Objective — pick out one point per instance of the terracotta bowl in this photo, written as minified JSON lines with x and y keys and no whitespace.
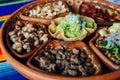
{"x":20,"y":64}
{"x":70,"y":45}
{"x":21,"y":24}
{"x":101,"y":12}
{"x":110,"y":64}
{"x":38,"y":19}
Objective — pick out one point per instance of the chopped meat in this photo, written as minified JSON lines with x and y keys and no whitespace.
{"x":27,"y":36}
{"x":65,"y":62}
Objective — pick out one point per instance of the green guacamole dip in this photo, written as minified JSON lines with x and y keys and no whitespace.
{"x":73,"y":25}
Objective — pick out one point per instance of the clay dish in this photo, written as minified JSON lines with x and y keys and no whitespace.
{"x":36,"y":12}
{"x":102,"y":13}
{"x":19,"y":40}
{"x":55,"y":44}
{"x":109,"y":63}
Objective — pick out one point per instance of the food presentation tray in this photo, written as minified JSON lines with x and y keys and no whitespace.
{"x":20,"y":64}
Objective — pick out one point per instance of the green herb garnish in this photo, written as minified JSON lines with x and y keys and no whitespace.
{"x":67,"y":48}
{"x":119,"y":67}
{"x":89,"y":24}
{"x":90,"y":60}
{"x":115,"y":49}
{"x":117,"y":55}
{"x":83,"y":50}
{"x":95,"y":69}
{"x":103,"y":43}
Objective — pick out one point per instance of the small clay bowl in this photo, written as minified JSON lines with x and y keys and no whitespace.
{"x":100,"y":12}
{"x":45,"y":21}
{"x":110,"y":64}
{"x":55,"y":43}
{"x":23,"y":53}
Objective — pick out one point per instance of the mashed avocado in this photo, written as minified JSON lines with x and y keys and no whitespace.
{"x":73,"y":25}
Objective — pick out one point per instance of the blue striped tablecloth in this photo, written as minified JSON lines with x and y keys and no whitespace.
{"x":7,"y":72}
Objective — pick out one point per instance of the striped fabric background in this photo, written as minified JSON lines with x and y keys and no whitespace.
{"x":7,"y":72}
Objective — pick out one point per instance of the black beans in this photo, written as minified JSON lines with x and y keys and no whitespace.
{"x":65,"y":62}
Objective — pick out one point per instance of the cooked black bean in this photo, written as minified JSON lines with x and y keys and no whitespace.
{"x":63,"y":61}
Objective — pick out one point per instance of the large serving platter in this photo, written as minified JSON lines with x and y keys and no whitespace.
{"x":23,"y":65}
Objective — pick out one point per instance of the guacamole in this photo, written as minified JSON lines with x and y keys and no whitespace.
{"x":73,"y":25}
